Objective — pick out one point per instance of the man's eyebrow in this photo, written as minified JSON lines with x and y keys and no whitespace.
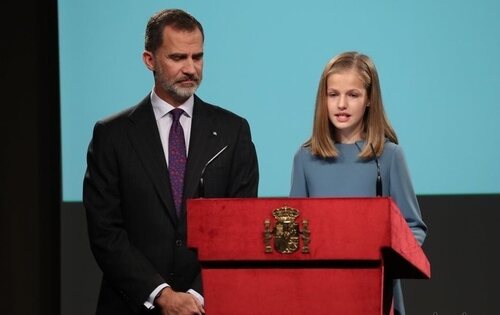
{"x":184,"y":55}
{"x":177,"y":55}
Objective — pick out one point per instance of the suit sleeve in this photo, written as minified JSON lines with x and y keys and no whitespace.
{"x":124,"y":267}
{"x":245,"y":170}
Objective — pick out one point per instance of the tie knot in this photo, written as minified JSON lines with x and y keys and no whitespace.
{"x":176,"y":113}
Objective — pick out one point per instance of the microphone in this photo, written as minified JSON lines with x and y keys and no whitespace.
{"x":379,"y":177}
{"x":202,"y":180}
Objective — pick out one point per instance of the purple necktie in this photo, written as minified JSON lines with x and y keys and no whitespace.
{"x":176,"y":158}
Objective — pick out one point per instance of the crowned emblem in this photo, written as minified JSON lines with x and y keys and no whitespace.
{"x":286,"y":232}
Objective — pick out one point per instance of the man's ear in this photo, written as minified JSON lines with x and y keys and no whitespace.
{"x":148,"y":59}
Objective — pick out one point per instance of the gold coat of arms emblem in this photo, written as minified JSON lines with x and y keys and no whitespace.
{"x":286,"y":232}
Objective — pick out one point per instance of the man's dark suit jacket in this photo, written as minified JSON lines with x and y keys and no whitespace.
{"x":134,"y":232}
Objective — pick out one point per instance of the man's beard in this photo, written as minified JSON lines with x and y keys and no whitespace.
{"x":178,"y":92}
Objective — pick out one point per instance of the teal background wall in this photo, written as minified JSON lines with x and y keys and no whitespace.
{"x":437,"y":63}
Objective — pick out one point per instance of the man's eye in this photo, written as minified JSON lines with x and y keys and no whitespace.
{"x":176,"y":57}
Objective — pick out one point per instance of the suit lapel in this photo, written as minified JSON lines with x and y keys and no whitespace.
{"x":144,"y":136}
{"x":204,"y":143}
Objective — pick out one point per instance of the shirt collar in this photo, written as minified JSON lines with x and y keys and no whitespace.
{"x":162,"y":108}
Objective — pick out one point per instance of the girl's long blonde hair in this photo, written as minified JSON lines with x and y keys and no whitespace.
{"x":376,"y":125}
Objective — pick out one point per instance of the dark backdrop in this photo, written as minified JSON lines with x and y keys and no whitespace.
{"x":461,"y":246}
{"x":30,"y":159}
{"x":46,"y":266}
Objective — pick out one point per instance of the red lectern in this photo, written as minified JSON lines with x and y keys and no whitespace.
{"x":302,"y":255}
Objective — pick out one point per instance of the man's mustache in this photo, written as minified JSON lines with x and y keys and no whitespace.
{"x":189,"y":78}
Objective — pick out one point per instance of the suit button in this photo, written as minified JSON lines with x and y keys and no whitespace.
{"x":178,"y":243}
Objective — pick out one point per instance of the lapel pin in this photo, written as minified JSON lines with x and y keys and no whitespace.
{"x":214,"y":133}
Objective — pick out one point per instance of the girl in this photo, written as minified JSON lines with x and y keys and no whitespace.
{"x":353,"y":150}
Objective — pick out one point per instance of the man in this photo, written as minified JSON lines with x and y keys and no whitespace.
{"x":136,"y":211}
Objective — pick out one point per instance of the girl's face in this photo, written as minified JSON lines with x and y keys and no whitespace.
{"x":347,"y":100}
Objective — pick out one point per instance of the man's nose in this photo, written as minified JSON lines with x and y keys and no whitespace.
{"x":189,"y":66}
